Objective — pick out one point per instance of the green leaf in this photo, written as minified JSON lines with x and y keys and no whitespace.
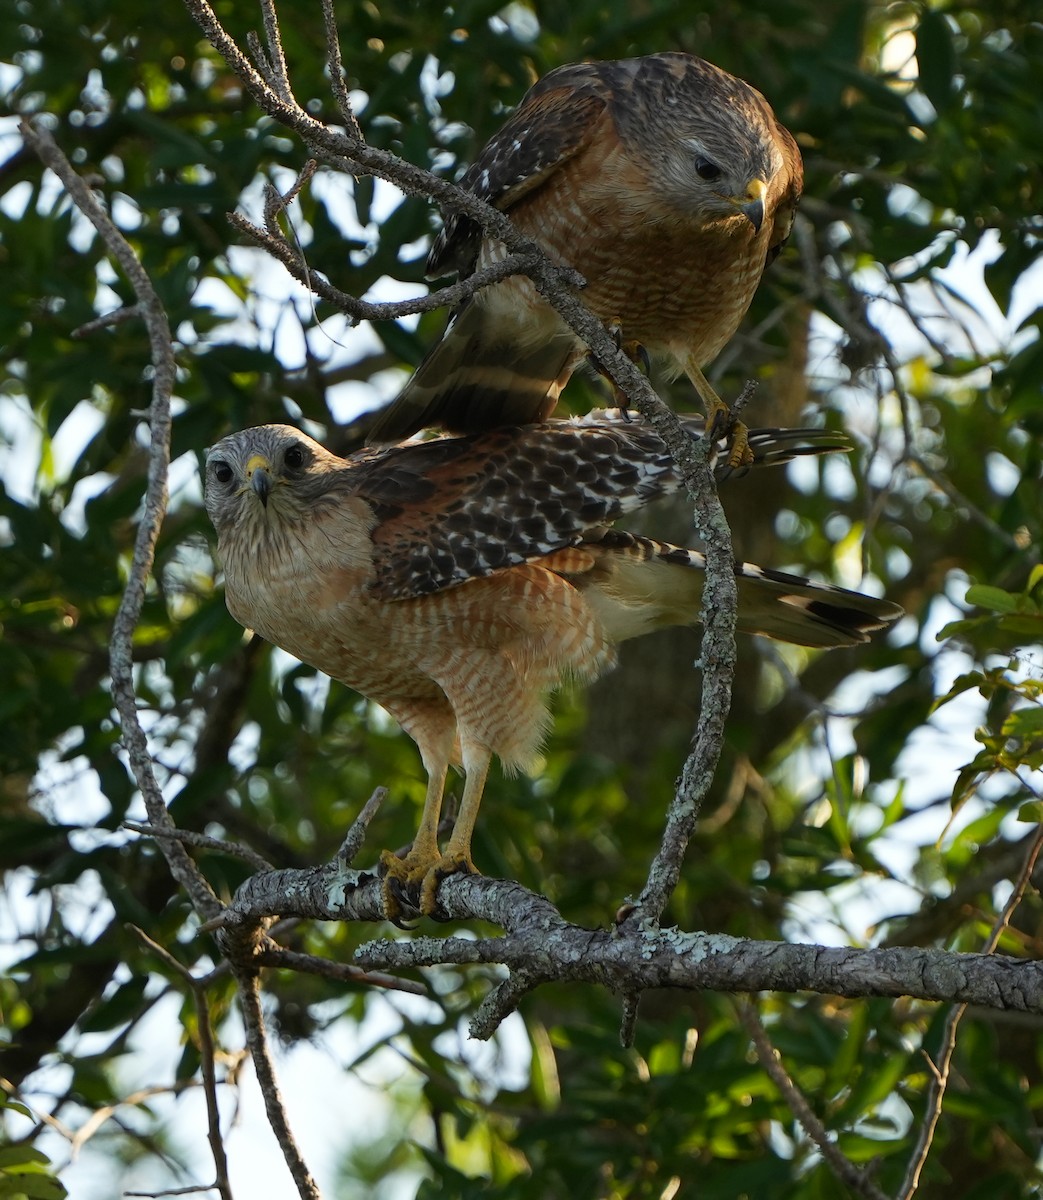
{"x":962,"y":683}
{"x":985,"y":596}
{"x":1025,"y":723}
{"x":935,"y":58}
{"x":1031,"y":812}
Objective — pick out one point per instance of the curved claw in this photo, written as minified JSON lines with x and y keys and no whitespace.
{"x":720,"y":424}
{"x":446,"y":865}
{"x":412,"y":882}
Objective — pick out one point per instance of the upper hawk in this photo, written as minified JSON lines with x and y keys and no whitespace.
{"x":668,"y":183}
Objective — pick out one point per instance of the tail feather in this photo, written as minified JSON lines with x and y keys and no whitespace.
{"x":483,"y":374}
{"x":771,"y":447}
{"x":637,"y":584}
{"x":790,"y":608}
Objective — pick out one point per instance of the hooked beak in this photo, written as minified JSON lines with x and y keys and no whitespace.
{"x":752,"y":206}
{"x":259,"y":473}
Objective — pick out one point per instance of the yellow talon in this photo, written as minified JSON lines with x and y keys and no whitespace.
{"x":719,"y":420}
{"x":446,"y":865}
{"x":415,"y":879}
{"x":721,"y":424}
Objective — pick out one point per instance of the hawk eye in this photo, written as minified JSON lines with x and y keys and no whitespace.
{"x":706,"y":169}
{"x":294,"y":456}
{"x":222,"y":471}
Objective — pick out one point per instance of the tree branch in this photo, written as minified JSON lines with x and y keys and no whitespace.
{"x":940,"y":1067}
{"x":257,"y":1041}
{"x":121,"y":658}
{"x":207,"y":1059}
{"x":335,"y":64}
{"x":841,"y":1166}
{"x":367,"y":310}
{"x":311,"y":964}
{"x":540,"y":945}
{"x":202,"y":841}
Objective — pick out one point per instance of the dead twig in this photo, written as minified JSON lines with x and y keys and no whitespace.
{"x":257,"y":1041}
{"x":841,"y":1166}
{"x":939,"y":1067}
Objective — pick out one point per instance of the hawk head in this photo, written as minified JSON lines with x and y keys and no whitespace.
{"x":711,"y":141}
{"x":264,"y":477}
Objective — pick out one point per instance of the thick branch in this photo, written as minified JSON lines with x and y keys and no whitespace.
{"x":540,"y":943}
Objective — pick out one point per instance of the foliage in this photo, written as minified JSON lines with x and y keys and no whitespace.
{"x":24,"y":1170}
{"x":881,"y":795}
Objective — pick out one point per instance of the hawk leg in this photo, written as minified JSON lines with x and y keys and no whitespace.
{"x":457,"y":856}
{"x":635,"y":351}
{"x":425,"y":867}
{"x":400,"y":875}
{"x":719,"y":419}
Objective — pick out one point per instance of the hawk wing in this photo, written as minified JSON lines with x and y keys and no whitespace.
{"x":554,"y":121}
{"x":454,"y":509}
{"x":786,"y":212}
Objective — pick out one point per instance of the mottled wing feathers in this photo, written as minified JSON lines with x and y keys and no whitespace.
{"x":465,"y":507}
{"x":553,"y":122}
{"x":452,"y":509}
{"x":786,"y":212}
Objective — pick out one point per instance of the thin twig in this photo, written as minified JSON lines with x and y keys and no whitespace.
{"x":121,"y":656}
{"x":162,"y":953}
{"x":100,"y":1116}
{"x":310,"y":964}
{"x":207,"y":1059}
{"x":192,"y":1190}
{"x":207,"y":1062}
{"x":277,"y":202}
{"x":276,"y":54}
{"x":841,"y":1166}
{"x":939,"y":1068}
{"x":953,"y":493}
{"x":118,"y":316}
{"x":367,"y":310}
{"x":257,"y":1041}
{"x":202,"y":841}
{"x":356,"y":835}
{"x":336,"y":68}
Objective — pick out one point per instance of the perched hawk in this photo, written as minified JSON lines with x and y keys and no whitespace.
{"x":455,"y":581}
{"x":666,"y":182}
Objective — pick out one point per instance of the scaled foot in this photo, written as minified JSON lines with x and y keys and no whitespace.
{"x":721,"y":424}
{"x":415,"y":879}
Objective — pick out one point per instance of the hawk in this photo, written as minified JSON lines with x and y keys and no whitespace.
{"x":455,"y":581}
{"x":666,"y":182}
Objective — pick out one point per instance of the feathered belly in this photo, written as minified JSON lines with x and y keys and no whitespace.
{"x":682,"y":295}
{"x":688,"y":298}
